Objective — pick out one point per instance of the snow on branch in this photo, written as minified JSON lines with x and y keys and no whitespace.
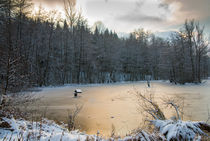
{"x":179,"y":130}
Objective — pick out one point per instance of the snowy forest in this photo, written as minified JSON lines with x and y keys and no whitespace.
{"x":42,"y":50}
{"x":71,"y":77}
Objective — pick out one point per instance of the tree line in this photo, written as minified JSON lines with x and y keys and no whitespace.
{"x":41,"y":50}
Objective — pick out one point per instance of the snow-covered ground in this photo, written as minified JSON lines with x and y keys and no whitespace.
{"x":47,"y":130}
{"x":43,"y":131}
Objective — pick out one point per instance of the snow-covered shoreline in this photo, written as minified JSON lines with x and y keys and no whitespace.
{"x":44,"y":130}
{"x":48,"y":130}
{"x":204,"y":82}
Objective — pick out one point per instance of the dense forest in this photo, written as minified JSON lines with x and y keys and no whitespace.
{"x":41,"y":50}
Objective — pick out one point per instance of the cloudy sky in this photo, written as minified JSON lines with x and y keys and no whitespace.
{"x":127,"y":15}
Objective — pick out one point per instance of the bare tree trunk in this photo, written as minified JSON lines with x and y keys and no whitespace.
{"x":192,"y":63}
{"x":199,"y":68}
{"x":45,"y":78}
{"x":8,"y":25}
{"x":2,"y":90}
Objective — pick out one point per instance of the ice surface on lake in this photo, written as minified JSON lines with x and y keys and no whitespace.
{"x":103,"y":101}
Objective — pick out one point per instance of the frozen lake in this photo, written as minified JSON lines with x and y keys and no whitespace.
{"x":114,"y":104}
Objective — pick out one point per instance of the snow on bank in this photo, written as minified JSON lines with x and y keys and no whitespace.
{"x":47,"y":130}
{"x":43,"y":131}
{"x":80,"y":85}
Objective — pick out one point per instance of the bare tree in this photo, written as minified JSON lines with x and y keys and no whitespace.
{"x":147,"y":103}
{"x":71,"y":12}
{"x":37,"y":51}
{"x":72,"y":115}
{"x":189,"y":28}
{"x":23,"y":9}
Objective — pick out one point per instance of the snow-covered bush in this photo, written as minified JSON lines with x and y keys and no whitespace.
{"x":178,"y":130}
{"x":17,"y":105}
{"x":175,"y":129}
{"x":142,"y":135}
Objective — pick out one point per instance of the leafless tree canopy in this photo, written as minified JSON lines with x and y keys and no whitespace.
{"x":70,"y":11}
{"x":148,"y":104}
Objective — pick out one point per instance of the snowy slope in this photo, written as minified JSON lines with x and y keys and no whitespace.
{"x":44,"y":131}
{"x":47,"y":130}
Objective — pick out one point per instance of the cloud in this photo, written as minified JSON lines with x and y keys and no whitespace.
{"x":126,"y":15}
{"x":147,"y":12}
{"x":140,"y":3}
{"x":191,"y":8}
{"x":138,"y":18}
{"x":164,"y":5}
